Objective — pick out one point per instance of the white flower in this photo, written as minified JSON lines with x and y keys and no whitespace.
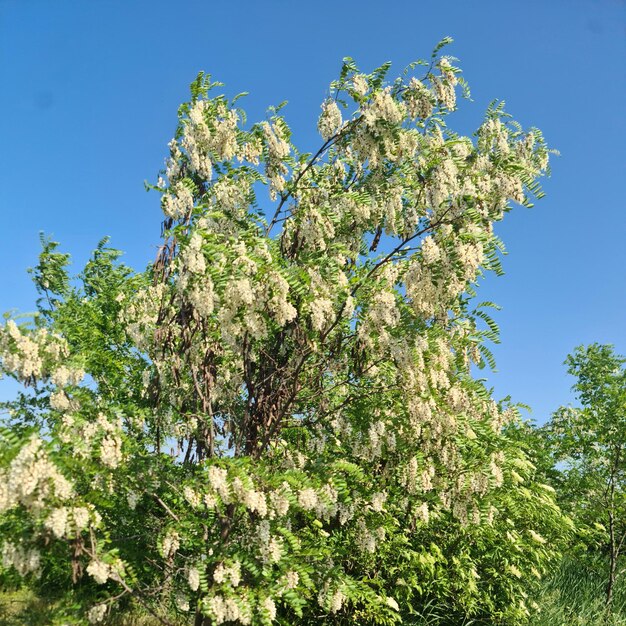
{"x":96,"y":613}
{"x":430,"y":251}
{"x":132,"y":498}
{"x":308,"y":499}
{"x":321,"y":311}
{"x":292,"y":578}
{"x":111,"y":451}
{"x":99,"y":571}
{"x":23,"y":560}
{"x":280,"y":502}
{"x":217,"y":480}
{"x":59,"y":401}
{"x":178,"y":202}
{"x":192,"y":496}
{"x":337,"y":600}
{"x":57,"y":521}
{"x":330,"y":120}
{"x":378,"y":501}
{"x":255,"y":501}
{"x":269,"y":606}
{"x":193,"y":578}
{"x":170,"y":544}
{"x":219,"y":575}
{"x":275,"y":550}
{"x":80,"y":517}
{"x":359,"y":84}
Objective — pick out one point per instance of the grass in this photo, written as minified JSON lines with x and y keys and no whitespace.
{"x":23,"y":608}
{"x":575,"y":596}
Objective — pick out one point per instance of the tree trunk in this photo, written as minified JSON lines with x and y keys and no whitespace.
{"x":613,"y":553}
{"x":611,"y":582}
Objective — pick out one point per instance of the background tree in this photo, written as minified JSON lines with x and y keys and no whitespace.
{"x":588,"y":444}
{"x":277,"y":421}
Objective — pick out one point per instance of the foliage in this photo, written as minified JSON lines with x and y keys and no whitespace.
{"x":277,"y":421}
{"x":587,"y":444}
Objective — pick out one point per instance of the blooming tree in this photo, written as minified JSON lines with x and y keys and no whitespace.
{"x":278,"y":422}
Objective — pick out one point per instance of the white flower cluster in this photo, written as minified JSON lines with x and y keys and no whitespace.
{"x":254,"y":501}
{"x":378,"y":501}
{"x":419,"y":99}
{"x":444,"y":183}
{"x":170,"y":544}
{"x":191,"y":255}
{"x":30,"y":354}
{"x":422,"y":512}
{"x":229,"y":574}
{"x":444,"y":85}
{"x":279,"y":501}
{"x":458,"y":258}
{"x":378,"y":438}
{"x":201,"y":295}
{"x":321,"y":311}
{"x":60,"y":401}
{"x":84,"y":434}
{"x":63,"y":376}
{"x":331,"y":600}
{"x":367,"y":540}
{"x":32,"y":479}
{"x":383,"y":311}
{"x":229,"y":196}
{"x":292,"y":578}
{"x":24,"y":560}
{"x":64,"y":521}
{"x":132,"y":497}
{"x":228,"y":609}
{"x":193,"y":578}
{"x":278,"y":150}
{"x":111,"y":450}
{"x":141,"y":313}
{"x":240,"y":489}
{"x":497,"y":460}
{"x":307,"y":499}
{"x":336,"y":601}
{"x":383,"y":107}
{"x":178,"y":202}
{"x":182,"y":602}
{"x":208,"y":132}
{"x":219,"y":483}
{"x":239,"y":298}
{"x":97,"y":613}
{"x":360,"y":84}
{"x":269,"y":608}
{"x":192,"y":496}
{"x":282,"y":310}
{"x":330,"y":120}
{"x":100,"y":571}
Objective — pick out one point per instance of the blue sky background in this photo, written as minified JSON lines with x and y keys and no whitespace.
{"x":88,"y":97}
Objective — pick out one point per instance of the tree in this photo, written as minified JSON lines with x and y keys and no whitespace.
{"x":589,"y":446}
{"x":308,"y":366}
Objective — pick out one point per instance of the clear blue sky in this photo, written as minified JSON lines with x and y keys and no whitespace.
{"x":88,"y":97}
